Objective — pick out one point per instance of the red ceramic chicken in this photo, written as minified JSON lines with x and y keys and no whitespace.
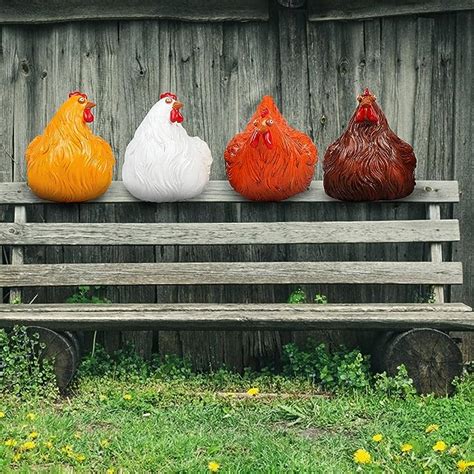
{"x":368,"y":162}
{"x":269,"y":160}
{"x":68,"y":163}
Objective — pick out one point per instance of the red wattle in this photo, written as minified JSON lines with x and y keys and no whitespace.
{"x":176,"y":116}
{"x":267,"y":138}
{"x":88,"y":116}
{"x":255,"y":139}
{"x":372,"y":115}
{"x":366,"y":113}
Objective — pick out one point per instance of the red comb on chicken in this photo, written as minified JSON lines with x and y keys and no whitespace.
{"x":368,"y":162}
{"x":269,"y":160}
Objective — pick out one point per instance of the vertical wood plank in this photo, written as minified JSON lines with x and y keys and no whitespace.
{"x":65,"y":56}
{"x":436,"y":250}
{"x":17,"y":252}
{"x":442,"y":140}
{"x":28,"y":115}
{"x":196,"y":52}
{"x":142,"y":64}
{"x":463,"y":131}
{"x":335,"y":52}
{"x":259,"y":75}
{"x":6,"y":128}
{"x":295,"y":107}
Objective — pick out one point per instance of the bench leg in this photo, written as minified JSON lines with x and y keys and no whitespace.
{"x":63,"y":349}
{"x":431,"y":357}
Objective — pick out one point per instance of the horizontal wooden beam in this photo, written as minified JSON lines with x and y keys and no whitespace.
{"x":324,"y":10}
{"x":232,"y":233}
{"x":221,"y":191}
{"x":193,"y":307}
{"x":239,"y":316}
{"x":51,"y":11}
{"x":231,"y":273}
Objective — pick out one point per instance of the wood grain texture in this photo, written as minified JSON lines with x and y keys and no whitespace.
{"x":232,"y":273}
{"x":296,"y":108}
{"x":420,"y":67}
{"x":220,"y":191}
{"x":232,"y":307}
{"x":17,"y":257}
{"x":197,"y":54}
{"x":21,"y":11}
{"x":248,"y":317}
{"x":45,"y":68}
{"x":432,"y":359}
{"x":232,"y":233}
{"x":6,"y":132}
{"x":436,"y":250}
{"x":254,"y":73}
{"x":463,"y":131}
{"x":142,"y":69}
{"x":324,"y":10}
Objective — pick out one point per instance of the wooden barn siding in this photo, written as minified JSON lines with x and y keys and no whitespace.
{"x":420,"y":67}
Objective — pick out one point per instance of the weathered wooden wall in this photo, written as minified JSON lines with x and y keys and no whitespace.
{"x":420,"y":67}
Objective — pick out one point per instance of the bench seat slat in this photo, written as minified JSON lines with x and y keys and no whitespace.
{"x":217,"y":273}
{"x":232,"y":307}
{"x":221,"y":191}
{"x":234,"y":317}
{"x":229,"y":233}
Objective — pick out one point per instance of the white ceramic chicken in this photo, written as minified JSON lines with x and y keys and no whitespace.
{"x":162,"y":162}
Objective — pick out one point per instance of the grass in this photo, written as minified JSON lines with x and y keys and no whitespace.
{"x":179,"y":422}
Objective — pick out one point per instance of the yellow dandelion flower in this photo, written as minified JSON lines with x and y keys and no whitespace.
{"x":253,"y":391}
{"x":439,"y":446}
{"x":110,"y":470}
{"x":2,"y":414}
{"x":377,"y":437}
{"x":28,"y":446}
{"x":104,"y":443}
{"x":213,"y":466}
{"x":431,"y":428}
{"x":406,"y":448}
{"x":102,"y":398}
{"x":48,"y":444}
{"x":30,"y":416}
{"x":80,"y":457}
{"x":361,"y":456}
{"x":16,"y":457}
{"x":464,"y":465}
{"x":67,"y":450}
{"x":10,"y":442}
{"x":127,"y":397}
{"x":33,"y":435}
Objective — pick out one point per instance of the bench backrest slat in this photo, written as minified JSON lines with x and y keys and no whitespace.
{"x":220,"y":191}
{"x":239,"y":273}
{"x":233,"y":233}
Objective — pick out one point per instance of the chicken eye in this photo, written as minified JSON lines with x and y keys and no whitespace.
{"x":255,"y":123}
{"x":81,"y":100}
{"x":168,"y":100}
{"x":269,"y":122}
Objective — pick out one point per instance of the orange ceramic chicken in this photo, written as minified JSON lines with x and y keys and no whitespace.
{"x":68,"y":163}
{"x":269,"y":160}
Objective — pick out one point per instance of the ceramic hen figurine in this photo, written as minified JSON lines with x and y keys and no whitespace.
{"x":368,"y":162}
{"x":269,"y":160}
{"x":67,"y":163}
{"x":162,"y":162}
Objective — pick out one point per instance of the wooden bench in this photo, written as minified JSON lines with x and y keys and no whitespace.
{"x":415,"y":334}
